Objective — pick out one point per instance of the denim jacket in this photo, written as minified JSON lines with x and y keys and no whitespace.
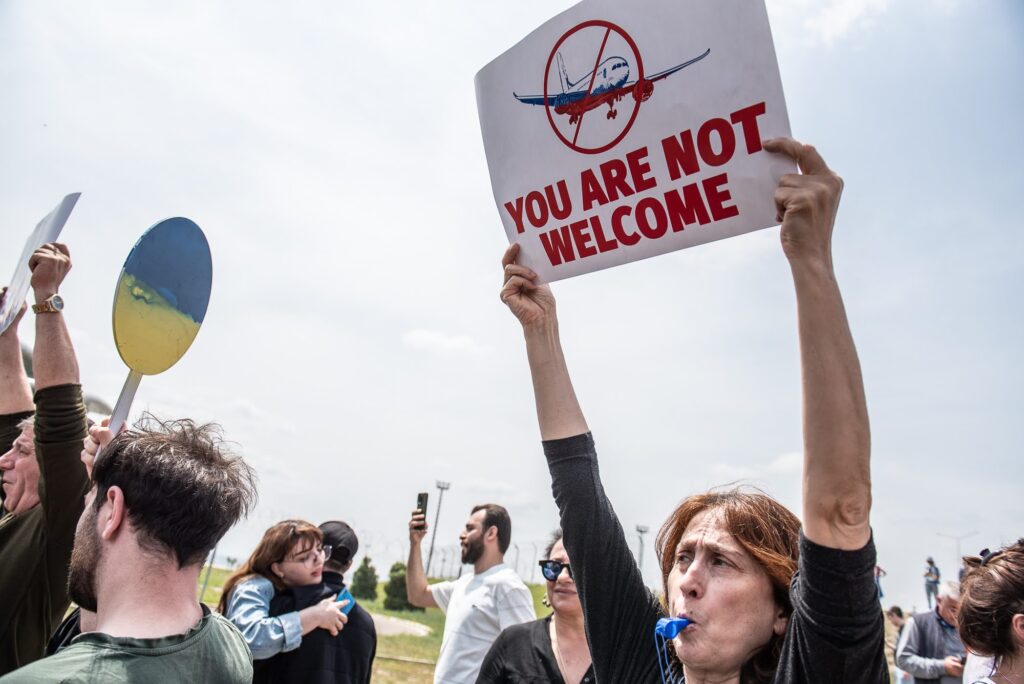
{"x":249,"y":609}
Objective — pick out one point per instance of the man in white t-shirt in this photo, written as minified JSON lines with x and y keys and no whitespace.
{"x":477,"y":607}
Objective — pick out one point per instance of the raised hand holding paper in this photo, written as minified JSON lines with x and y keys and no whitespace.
{"x":160,"y":302}
{"x":45,"y":231}
{"x":619,"y":131}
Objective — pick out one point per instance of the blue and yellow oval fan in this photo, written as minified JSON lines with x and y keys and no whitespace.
{"x":160,"y":302}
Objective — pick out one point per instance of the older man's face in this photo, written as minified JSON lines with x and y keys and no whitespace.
{"x":948,"y":608}
{"x":20,"y":472}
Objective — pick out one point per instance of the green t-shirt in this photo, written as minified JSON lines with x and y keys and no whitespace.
{"x":35,"y":546}
{"x":212,"y":651}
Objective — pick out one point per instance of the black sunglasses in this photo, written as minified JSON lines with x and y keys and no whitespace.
{"x":551,"y":569}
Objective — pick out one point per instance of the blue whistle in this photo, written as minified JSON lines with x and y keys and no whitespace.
{"x":671,"y":627}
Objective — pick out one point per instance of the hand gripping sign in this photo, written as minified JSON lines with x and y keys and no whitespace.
{"x":159,"y":303}
{"x":618,"y":131}
{"x":47,"y":230}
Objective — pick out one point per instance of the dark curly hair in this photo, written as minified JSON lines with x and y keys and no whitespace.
{"x":182,"y":490}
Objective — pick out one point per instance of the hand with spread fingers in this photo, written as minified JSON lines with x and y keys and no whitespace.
{"x":806,"y":202}
{"x":532,"y":304}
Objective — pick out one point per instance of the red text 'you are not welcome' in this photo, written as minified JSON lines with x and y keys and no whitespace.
{"x":699,"y":203}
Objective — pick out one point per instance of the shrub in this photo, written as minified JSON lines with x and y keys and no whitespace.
{"x":394,"y":590}
{"x":364,"y":581}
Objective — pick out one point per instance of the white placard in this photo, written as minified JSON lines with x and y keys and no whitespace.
{"x":622,"y":130}
{"x":46,"y":231}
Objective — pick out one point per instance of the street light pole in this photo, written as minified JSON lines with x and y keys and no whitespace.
{"x":958,"y":538}
{"x":641,"y":530}
{"x":442,"y":487}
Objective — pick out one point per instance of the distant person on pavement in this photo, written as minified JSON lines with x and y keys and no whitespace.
{"x":931,"y":581}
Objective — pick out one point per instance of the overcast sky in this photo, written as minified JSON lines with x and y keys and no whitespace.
{"x":355,"y":348}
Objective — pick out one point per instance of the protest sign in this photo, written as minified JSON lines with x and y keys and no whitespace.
{"x":159,"y":303}
{"x":45,"y":231}
{"x":618,"y":131}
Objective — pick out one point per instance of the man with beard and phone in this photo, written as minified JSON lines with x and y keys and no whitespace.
{"x":162,"y":496}
{"x":43,"y":479}
{"x":477,"y":606}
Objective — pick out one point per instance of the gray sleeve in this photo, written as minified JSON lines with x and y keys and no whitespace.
{"x":908,"y":656}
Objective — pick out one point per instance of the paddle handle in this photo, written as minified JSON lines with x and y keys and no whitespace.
{"x":123,"y":405}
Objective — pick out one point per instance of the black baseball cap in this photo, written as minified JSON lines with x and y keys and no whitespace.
{"x":343,"y":538}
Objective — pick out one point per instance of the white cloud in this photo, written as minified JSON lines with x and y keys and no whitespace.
{"x":833,"y":20}
{"x":790,"y":462}
{"x":442,"y":343}
{"x":838,"y":17}
{"x":726,"y":472}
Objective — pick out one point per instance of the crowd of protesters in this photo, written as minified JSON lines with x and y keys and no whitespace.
{"x":120,"y":525}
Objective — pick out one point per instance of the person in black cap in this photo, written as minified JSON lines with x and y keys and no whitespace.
{"x":321,"y":658}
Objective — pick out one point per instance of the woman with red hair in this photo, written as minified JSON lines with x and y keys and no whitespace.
{"x":751,"y":596}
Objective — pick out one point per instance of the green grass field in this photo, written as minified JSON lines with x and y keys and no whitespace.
{"x":403,"y":658}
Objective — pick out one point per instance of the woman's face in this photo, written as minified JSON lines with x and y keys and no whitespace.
{"x":562,"y":592}
{"x":725,"y":594}
{"x":302,"y":565}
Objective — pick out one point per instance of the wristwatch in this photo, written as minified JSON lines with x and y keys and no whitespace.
{"x":52,"y":304}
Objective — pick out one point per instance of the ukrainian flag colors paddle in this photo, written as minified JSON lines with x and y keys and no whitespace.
{"x":160,"y":302}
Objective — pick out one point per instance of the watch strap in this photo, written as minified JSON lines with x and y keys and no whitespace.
{"x":47,"y":306}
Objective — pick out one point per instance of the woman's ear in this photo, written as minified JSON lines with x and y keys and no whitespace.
{"x":780,"y":624}
{"x":1017,"y":630}
{"x":276,"y":569}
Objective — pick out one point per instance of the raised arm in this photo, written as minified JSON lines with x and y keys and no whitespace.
{"x":837,"y":477}
{"x":558,"y":411}
{"x":53,"y":360}
{"x":619,"y":612}
{"x":417,"y":590}
{"x":15,"y":391}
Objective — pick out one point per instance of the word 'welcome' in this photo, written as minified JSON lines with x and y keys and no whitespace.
{"x":611,"y":183}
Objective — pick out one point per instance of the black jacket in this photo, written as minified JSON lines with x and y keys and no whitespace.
{"x":321,"y":658}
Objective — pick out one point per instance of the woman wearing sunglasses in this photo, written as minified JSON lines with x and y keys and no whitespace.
{"x":991,"y":616}
{"x":739,"y":610}
{"x":291,"y":555}
{"x":552,"y":649}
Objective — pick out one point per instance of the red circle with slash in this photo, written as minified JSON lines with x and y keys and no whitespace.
{"x":550,"y":101}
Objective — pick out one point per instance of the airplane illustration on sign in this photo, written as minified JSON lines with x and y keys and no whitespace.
{"x":605,"y":85}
